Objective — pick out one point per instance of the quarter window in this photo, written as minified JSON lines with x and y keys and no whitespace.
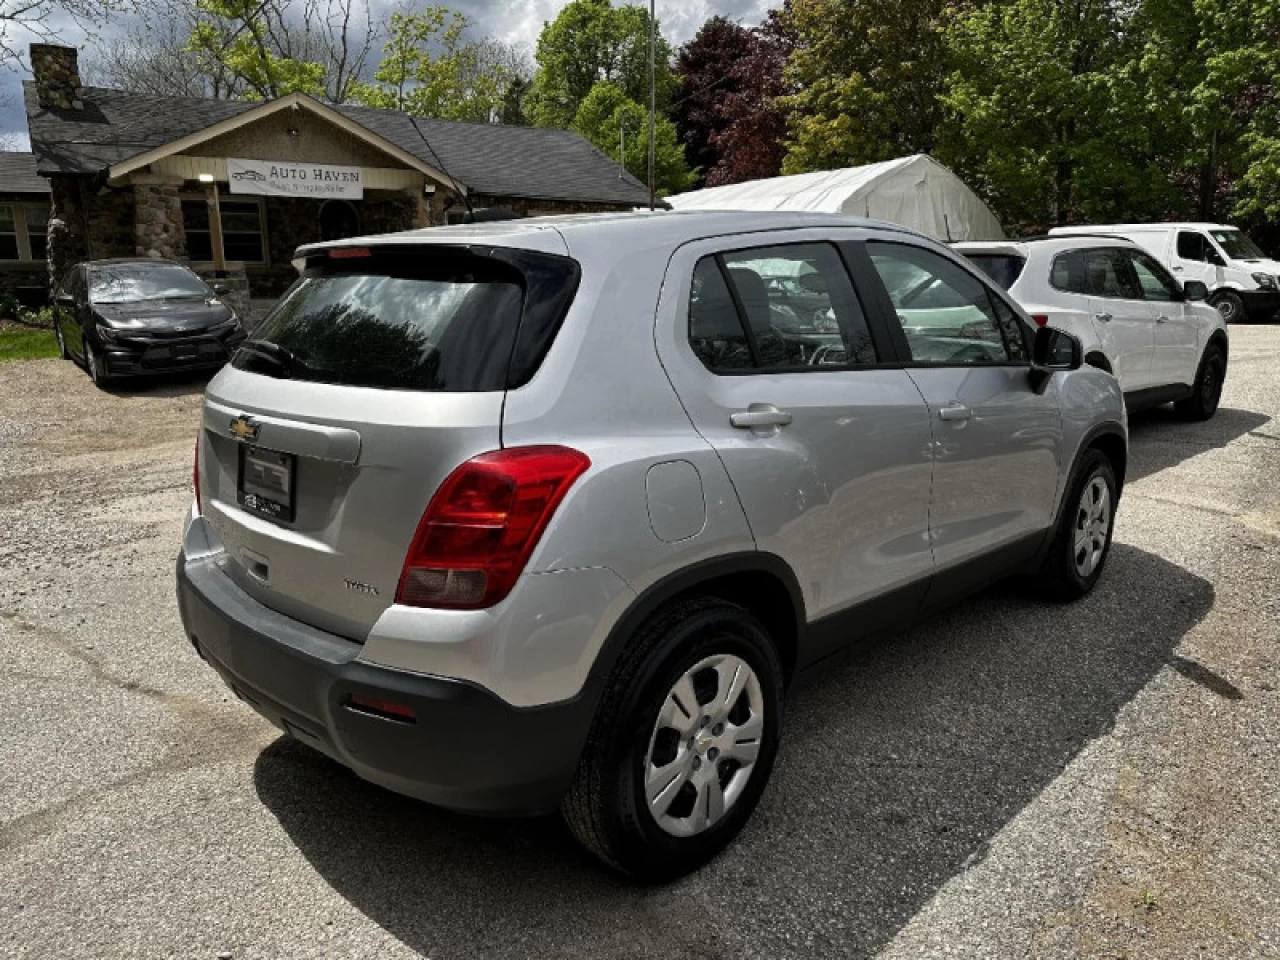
{"x":777,"y":308}
{"x":948,"y":316}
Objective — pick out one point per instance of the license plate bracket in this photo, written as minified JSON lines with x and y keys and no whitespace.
{"x":266,"y":482}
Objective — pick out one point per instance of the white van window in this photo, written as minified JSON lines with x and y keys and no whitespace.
{"x":1237,"y":245}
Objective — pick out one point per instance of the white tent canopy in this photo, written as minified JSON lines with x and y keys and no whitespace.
{"x":916,"y":192}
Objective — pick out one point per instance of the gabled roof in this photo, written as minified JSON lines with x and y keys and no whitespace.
{"x":116,"y":126}
{"x":18,"y":174}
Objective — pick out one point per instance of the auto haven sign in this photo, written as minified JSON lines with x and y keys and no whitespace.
{"x":272,"y":178}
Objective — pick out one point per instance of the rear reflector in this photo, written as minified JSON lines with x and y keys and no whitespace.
{"x":482,"y":525}
{"x":387,"y":709}
{"x":1039,"y":319}
{"x":348,"y":253}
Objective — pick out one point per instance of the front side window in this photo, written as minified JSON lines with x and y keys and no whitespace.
{"x":132,"y":282}
{"x":1192,"y":245}
{"x":1156,"y":282}
{"x":1110,"y":274}
{"x":241,"y":230}
{"x":8,"y":234}
{"x":949,"y":317}
{"x":788,"y":307}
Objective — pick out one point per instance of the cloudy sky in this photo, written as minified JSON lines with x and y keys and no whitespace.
{"x":513,"y":21}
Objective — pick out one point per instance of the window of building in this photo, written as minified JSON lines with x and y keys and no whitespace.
{"x":37,"y":218}
{"x":242,"y":237}
{"x":8,"y":234}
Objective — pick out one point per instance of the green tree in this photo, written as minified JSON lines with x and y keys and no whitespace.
{"x":592,"y":41}
{"x":237,"y":36}
{"x":607,"y":110}
{"x":868,"y":75}
{"x":430,"y":69}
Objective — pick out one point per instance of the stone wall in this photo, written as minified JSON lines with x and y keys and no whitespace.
{"x":388,"y":215}
{"x":235,"y":283}
{"x":68,"y":236}
{"x":57,"y":77}
{"x":158,"y":230}
{"x":111,"y":230}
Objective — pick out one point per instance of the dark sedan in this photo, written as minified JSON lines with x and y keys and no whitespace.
{"x":120,"y":318}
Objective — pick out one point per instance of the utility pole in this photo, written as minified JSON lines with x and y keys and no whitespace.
{"x":653,"y":102}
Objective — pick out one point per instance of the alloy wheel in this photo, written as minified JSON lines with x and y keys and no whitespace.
{"x":704,"y":745}
{"x":1093,"y":524}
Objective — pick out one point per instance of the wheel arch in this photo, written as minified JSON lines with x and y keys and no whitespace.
{"x":1096,"y":358}
{"x":1219,"y":339}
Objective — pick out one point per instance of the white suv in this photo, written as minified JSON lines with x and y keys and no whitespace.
{"x":1157,"y":337}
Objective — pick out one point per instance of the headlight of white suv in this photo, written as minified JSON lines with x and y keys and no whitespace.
{"x":1264,"y":281}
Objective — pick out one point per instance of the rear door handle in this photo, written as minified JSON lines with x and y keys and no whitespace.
{"x":957,"y":411}
{"x":760,"y":415}
{"x":1104,"y":317}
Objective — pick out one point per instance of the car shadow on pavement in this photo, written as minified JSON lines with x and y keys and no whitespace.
{"x":899,"y":765}
{"x":1159,"y":438}
{"x":181,"y":384}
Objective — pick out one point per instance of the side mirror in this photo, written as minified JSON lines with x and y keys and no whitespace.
{"x":65,"y":300}
{"x":221,"y":289}
{"x":1051,"y":351}
{"x":1195,"y":290}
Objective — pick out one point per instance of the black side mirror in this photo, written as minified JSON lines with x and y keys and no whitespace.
{"x":1195,"y":290}
{"x":221,"y":289}
{"x":1051,"y":351}
{"x":65,"y":300}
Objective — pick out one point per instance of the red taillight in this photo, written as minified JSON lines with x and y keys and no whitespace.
{"x":195,"y":475}
{"x":348,"y":253}
{"x":1039,"y":319}
{"x":387,"y":709}
{"x":483,"y":523}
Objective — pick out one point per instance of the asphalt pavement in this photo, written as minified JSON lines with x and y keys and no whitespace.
{"x":1011,"y":779}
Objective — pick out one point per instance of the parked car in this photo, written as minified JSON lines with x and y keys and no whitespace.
{"x":1162,"y":342}
{"x":122,"y":318}
{"x":1243,"y":282}
{"x":549,"y":513}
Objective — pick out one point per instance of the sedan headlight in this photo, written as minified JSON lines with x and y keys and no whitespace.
{"x":1264,"y":281}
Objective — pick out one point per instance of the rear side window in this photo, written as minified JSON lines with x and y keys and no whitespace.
{"x":788,"y":307}
{"x":1110,"y":274}
{"x":1003,"y":268}
{"x":421,"y":318}
{"x":1070,"y":272}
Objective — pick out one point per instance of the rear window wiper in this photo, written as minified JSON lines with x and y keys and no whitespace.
{"x":282,"y":358}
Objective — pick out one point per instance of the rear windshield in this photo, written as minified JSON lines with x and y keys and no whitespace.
{"x":416,"y":318}
{"x":1002,"y":268}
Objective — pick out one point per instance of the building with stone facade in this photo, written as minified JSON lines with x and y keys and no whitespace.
{"x":139,"y":175}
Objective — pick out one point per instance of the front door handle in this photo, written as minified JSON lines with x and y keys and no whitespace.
{"x":760,"y":415}
{"x":1104,"y":317}
{"x":957,"y":411}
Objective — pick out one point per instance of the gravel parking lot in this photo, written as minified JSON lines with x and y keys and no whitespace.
{"x":1009,"y":780}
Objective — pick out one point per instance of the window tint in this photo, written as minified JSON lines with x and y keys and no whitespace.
{"x":715,"y":331}
{"x":947,"y":314}
{"x":1156,"y":282}
{"x":1110,"y":274}
{"x":1003,"y":268}
{"x":1192,"y":245}
{"x":777,"y":308}
{"x":1070,"y":272}
{"x":408,"y":320}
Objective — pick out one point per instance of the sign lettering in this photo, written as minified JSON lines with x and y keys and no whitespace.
{"x":274,"y":178}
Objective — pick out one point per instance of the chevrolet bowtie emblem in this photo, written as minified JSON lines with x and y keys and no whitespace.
{"x":243,"y":428}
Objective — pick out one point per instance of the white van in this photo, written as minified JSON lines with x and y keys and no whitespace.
{"x":1242,"y":280}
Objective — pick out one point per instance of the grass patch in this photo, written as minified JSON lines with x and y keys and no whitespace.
{"x":27,"y":344}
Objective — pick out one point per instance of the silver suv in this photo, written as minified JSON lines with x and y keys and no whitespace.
{"x":550,"y":513}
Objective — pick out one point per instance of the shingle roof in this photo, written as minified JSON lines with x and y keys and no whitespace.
{"x":18,"y":174}
{"x":490,"y":159}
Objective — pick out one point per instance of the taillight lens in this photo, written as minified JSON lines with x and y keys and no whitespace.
{"x":482,"y":525}
{"x":1040,"y":319}
{"x":195,"y":475}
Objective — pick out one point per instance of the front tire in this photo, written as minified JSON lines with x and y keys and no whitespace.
{"x":683,"y":743}
{"x":1206,"y":392}
{"x":1230,"y":306}
{"x":63,"y":352}
{"x":1082,"y":541}
{"x":92,"y":365}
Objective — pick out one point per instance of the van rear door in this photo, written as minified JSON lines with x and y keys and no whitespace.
{"x":379,"y":372}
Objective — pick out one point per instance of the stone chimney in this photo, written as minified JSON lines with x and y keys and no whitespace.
{"x":57,"y":76}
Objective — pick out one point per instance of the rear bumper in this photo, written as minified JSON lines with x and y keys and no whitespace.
{"x":1260,"y":304}
{"x":467,"y":749}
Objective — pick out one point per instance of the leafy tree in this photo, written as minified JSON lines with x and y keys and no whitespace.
{"x":606,"y":110}
{"x":725,"y":111}
{"x":237,"y":35}
{"x":592,"y":41}
{"x":46,"y":20}
{"x":430,"y":69}
{"x":867,"y":78}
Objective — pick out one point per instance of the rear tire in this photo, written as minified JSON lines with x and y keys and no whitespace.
{"x":642,"y":713}
{"x":1230,"y":306}
{"x":1206,"y":392}
{"x":1082,"y":541}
